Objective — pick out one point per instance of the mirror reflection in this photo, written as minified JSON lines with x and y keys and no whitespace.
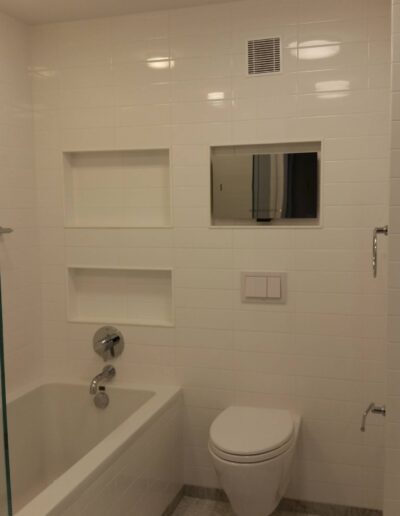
{"x":254,"y":186}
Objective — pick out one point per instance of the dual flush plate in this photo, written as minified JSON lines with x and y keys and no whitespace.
{"x":263,"y":287}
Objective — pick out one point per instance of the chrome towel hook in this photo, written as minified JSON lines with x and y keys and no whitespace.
{"x":383,"y":230}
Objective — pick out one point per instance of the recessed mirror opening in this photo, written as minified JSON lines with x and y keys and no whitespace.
{"x":275,"y":184}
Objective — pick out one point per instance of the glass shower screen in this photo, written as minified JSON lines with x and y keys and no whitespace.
{"x":5,"y":483}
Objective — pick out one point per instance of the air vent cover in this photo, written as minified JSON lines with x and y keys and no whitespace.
{"x":264,"y":56}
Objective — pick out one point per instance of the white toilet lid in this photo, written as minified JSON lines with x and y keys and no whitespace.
{"x":251,"y":430}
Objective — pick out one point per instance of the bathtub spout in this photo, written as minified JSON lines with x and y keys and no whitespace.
{"x":107,"y":374}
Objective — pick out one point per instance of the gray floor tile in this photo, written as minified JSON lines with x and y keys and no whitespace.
{"x":199,"y":507}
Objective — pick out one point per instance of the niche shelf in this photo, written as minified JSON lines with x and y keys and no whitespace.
{"x":125,"y":296}
{"x":110,"y":189}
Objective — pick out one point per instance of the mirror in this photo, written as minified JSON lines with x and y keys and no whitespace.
{"x":264,"y":185}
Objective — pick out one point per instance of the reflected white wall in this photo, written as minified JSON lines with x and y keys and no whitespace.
{"x":19,"y":251}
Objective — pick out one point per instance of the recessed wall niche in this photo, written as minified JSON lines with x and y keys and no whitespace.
{"x":117,"y":188}
{"x":125,"y":296}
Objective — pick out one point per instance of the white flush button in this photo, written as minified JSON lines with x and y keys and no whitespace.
{"x":274,"y":287}
{"x":263,"y":287}
{"x":256,"y":287}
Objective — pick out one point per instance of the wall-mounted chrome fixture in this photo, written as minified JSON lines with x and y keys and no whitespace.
{"x":375,"y":409}
{"x":384,"y":230}
{"x":106,"y":375}
{"x":108,"y":342}
{"x":3,"y":231}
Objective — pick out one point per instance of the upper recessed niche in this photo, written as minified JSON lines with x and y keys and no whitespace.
{"x":117,"y":189}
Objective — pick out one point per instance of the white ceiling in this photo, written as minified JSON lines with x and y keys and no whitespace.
{"x":47,"y":11}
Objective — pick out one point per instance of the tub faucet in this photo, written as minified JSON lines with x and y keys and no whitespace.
{"x":107,"y":374}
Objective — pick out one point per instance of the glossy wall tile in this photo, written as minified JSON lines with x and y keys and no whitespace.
{"x":19,"y":251}
{"x":178,"y":79}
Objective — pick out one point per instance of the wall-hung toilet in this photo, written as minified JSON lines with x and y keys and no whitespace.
{"x":252,"y":449}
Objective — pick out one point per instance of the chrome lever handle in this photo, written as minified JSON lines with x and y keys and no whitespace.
{"x":384,"y":230}
{"x":365,"y":415}
{"x":107,"y":344}
{"x":375,"y":409}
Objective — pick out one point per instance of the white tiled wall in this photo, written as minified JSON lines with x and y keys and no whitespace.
{"x":323,"y":352}
{"x":392,"y":477}
{"x":19,"y":251}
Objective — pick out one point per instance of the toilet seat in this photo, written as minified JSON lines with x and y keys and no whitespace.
{"x":251,"y":434}
{"x":248,"y":459}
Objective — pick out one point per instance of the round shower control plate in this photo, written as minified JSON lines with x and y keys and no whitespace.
{"x":108,"y":342}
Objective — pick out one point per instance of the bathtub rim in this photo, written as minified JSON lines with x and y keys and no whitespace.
{"x":67,"y":487}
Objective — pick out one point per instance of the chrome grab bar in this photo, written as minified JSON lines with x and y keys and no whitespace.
{"x":5,"y":230}
{"x":384,"y":230}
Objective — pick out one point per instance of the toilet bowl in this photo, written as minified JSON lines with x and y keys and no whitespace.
{"x":252,"y":450}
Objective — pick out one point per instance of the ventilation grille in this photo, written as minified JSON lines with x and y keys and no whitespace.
{"x":264,"y":56}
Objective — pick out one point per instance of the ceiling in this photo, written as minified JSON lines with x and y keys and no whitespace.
{"x":48,"y":11}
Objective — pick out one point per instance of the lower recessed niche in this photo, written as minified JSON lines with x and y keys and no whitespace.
{"x":125,"y":296}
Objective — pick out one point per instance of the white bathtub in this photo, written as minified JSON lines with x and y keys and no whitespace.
{"x":70,"y":458}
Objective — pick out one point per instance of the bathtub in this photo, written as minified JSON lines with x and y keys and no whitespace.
{"x":69,"y":458}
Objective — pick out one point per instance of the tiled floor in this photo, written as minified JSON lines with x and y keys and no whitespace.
{"x":198,"y":507}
